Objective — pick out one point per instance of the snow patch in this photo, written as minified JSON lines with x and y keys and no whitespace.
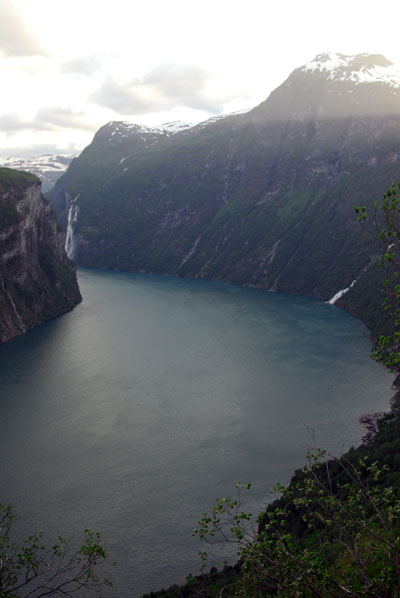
{"x":176,"y":126}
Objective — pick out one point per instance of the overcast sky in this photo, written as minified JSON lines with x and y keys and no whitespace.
{"x":69,"y":67}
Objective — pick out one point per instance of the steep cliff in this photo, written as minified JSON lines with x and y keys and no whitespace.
{"x":37,"y":281}
{"x":264,"y":198}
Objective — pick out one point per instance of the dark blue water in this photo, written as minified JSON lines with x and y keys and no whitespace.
{"x":134,"y":412}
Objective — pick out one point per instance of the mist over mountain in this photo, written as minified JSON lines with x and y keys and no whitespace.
{"x":263,"y":198}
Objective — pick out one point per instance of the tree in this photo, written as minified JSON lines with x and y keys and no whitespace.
{"x":334,"y":532}
{"x":29,"y":569}
{"x":386,"y":226}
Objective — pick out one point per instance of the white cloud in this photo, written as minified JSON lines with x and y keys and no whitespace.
{"x":162,"y":88}
{"x":67,"y":68}
{"x":52,"y":118}
{"x":16,"y":39}
{"x":82,"y":65}
{"x":11,"y":123}
{"x":58,"y":117}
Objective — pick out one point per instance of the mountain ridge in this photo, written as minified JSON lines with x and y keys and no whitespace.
{"x":263,"y":198}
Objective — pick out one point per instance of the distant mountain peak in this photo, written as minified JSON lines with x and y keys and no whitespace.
{"x":48,"y":168}
{"x":358,"y":68}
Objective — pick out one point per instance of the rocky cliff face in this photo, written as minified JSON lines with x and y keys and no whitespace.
{"x":37,"y":281}
{"x":264,"y":198}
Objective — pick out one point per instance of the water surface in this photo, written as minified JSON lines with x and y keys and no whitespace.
{"x":134,"y":412}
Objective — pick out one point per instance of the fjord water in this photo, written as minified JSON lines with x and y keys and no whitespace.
{"x":134,"y":412}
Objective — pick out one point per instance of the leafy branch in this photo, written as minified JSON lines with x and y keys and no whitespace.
{"x":386,"y":226}
{"x":31,"y":570}
{"x":351,"y":546}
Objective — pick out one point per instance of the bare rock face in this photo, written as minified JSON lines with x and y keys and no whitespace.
{"x":37,"y":280}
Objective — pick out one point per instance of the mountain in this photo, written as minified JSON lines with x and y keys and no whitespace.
{"x":263,"y":198}
{"x":37,"y":281}
{"x":48,"y":168}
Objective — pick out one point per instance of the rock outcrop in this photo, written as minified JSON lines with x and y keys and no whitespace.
{"x":37,"y":280}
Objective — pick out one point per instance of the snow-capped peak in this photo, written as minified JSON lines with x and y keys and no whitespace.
{"x":121,"y":128}
{"x":47,"y":161}
{"x":359,"y":68}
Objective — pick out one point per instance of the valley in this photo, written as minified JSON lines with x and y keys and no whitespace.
{"x":265,"y":198}
{"x":207,"y":346}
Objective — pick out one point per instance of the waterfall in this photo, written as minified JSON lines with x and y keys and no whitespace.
{"x":69,"y":239}
{"x":20,"y":321}
{"x":341,"y":293}
{"x":191,"y":252}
